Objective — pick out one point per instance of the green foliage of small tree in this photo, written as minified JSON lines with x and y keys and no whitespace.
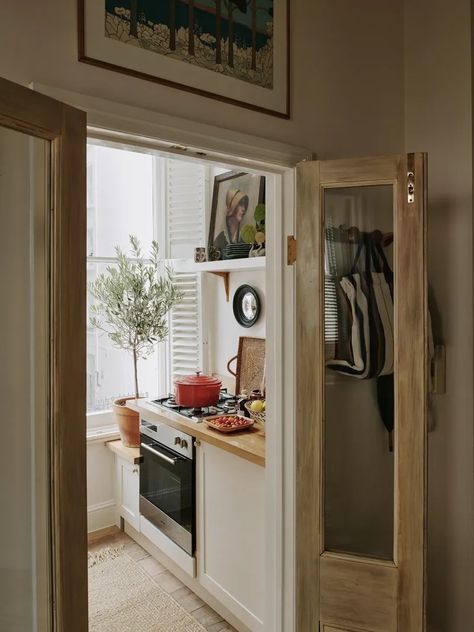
{"x":133,"y":301}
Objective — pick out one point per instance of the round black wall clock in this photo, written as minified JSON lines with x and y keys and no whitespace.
{"x":246,"y":306}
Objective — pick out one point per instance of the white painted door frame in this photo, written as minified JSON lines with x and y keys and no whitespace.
{"x":109,"y":120}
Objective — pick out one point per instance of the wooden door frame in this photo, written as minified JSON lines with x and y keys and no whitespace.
{"x":40,"y":116}
{"x":410,"y":391}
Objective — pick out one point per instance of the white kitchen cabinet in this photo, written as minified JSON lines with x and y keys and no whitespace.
{"x":127,"y":480}
{"x":231,"y":532}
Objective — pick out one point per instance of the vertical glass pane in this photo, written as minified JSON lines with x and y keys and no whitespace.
{"x":109,"y":369}
{"x":24,"y":208}
{"x":359,"y":474}
{"x":119,"y":199}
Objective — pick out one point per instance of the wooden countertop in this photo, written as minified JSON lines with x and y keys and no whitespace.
{"x":248,"y":444}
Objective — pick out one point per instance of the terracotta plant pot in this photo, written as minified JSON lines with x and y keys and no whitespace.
{"x":128,"y":422}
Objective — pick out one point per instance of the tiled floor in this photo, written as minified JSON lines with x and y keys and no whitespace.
{"x":206,"y":616}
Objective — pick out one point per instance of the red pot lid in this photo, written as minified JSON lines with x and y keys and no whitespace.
{"x":199,"y":380}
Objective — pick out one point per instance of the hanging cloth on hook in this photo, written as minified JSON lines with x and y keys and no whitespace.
{"x":364,"y":348}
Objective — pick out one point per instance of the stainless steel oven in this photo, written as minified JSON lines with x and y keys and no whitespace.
{"x":167,"y":482}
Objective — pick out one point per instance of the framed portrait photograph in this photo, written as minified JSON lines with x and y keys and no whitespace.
{"x":237,"y":214}
{"x":235,"y":51}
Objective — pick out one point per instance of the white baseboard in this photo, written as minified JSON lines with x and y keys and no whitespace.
{"x":101,"y":515}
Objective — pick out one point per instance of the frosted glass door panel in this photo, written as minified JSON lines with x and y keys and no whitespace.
{"x":24,"y":190}
{"x":358,"y":419}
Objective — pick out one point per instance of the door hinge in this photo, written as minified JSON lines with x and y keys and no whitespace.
{"x":291,"y":250}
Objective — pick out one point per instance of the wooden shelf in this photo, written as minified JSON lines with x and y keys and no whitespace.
{"x":226,"y":265}
{"x":220,"y":268}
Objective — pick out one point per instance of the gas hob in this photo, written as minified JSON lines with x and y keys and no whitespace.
{"x":226,"y":405}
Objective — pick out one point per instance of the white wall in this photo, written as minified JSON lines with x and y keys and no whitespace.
{"x":219,"y":325}
{"x":439,"y":121}
{"x":100,"y":486}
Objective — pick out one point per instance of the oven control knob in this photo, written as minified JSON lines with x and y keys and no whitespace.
{"x":184,"y":443}
{"x":177,"y":441}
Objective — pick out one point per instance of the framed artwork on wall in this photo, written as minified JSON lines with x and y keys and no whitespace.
{"x":237,"y":199}
{"x":236,"y":51}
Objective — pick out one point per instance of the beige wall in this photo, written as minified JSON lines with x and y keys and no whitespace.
{"x":438,"y":120}
{"x":347,"y":71}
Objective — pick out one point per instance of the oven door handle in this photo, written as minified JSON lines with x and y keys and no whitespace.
{"x":168,"y":459}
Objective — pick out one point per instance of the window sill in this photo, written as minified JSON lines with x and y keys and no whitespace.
{"x":102,"y":434}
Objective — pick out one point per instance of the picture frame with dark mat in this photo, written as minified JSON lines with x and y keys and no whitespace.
{"x":234,"y":51}
{"x":235,"y":197}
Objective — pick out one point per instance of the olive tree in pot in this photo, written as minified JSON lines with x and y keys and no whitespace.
{"x":133,"y":301}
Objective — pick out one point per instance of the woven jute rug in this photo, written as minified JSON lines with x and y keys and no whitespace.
{"x":124,"y":598}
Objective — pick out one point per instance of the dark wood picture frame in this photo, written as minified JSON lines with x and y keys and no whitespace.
{"x":284,"y":113}
{"x":218,"y":181}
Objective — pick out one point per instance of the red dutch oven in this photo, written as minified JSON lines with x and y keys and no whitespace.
{"x":197,"y":391}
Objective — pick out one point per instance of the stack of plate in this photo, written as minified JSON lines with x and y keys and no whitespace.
{"x":236,"y":251}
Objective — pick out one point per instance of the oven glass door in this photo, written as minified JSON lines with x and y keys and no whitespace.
{"x":167,"y":482}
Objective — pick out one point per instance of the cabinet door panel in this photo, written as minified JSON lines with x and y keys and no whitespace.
{"x":128,"y":491}
{"x":231,"y":532}
{"x":350,"y":590}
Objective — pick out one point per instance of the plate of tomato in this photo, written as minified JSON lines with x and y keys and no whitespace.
{"x":229,"y":423}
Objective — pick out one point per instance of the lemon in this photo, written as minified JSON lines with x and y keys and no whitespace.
{"x":257,"y":406}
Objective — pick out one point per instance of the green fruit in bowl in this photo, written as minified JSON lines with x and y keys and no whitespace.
{"x":257,"y":406}
{"x":260,"y":238}
{"x":247,"y":234}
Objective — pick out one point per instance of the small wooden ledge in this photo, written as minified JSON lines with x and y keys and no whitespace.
{"x":132,"y":455}
{"x":225,"y":277}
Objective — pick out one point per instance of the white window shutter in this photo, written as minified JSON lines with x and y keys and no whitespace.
{"x":186,"y":207}
{"x":185,"y":327}
{"x":186,"y":200}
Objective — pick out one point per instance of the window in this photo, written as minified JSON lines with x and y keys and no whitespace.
{"x":152,"y":197}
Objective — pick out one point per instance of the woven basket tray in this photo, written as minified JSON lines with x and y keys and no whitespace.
{"x":259,"y":418}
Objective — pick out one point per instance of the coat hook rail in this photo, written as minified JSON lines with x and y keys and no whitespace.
{"x":353,"y":235}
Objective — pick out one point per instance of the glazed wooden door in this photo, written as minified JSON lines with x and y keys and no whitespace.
{"x":43,"y":568}
{"x":361,"y":414}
